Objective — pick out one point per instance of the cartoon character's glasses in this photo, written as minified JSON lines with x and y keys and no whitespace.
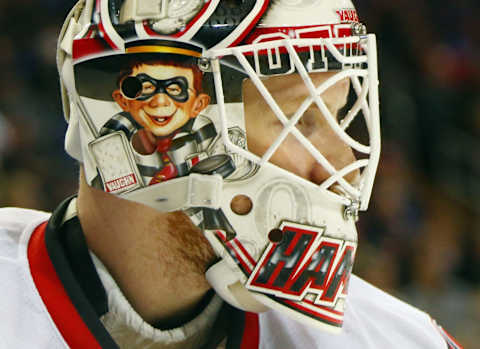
{"x":142,"y":86}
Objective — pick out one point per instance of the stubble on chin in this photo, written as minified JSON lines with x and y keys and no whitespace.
{"x":191,"y":248}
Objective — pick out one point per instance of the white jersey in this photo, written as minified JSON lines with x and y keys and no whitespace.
{"x":36,"y":311}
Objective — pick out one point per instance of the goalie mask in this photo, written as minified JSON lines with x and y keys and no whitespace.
{"x":259,"y":119}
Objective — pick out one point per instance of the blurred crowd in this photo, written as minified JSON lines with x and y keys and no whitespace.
{"x":34,"y":169}
{"x":420,"y":238}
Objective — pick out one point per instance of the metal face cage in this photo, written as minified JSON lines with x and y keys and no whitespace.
{"x":352,"y":58}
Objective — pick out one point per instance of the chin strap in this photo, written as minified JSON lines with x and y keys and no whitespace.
{"x":228,"y":286}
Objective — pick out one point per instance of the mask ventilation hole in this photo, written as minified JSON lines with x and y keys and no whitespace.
{"x":241,"y":205}
{"x":275,"y":236}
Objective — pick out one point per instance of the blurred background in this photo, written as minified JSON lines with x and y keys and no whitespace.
{"x":420,"y":239}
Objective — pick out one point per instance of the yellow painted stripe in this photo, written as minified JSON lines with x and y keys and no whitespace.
{"x":162,"y":49}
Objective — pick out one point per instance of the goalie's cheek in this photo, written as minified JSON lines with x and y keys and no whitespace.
{"x":293,"y":157}
{"x":336,"y":152}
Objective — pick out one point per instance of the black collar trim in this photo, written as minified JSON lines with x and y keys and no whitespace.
{"x":68,"y":251}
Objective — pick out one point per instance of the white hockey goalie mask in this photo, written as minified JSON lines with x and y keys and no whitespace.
{"x":259,"y":119}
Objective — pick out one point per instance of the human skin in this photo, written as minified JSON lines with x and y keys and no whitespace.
{"x":289,"y":92}
{"x":159,"y":259}
{"x":161,"y":115}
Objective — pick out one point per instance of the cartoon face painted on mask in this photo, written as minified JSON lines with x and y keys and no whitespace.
{"x":159,"y":100}
{"x":160,"y":97}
